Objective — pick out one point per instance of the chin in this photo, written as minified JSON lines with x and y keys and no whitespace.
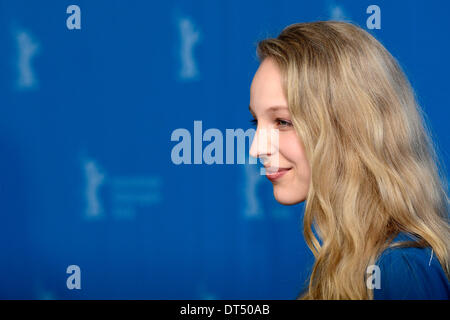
{"x":287,"y":197}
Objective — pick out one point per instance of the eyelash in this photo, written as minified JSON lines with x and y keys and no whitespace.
{"x":286,"y":123}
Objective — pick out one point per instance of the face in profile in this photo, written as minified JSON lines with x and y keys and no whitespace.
{"x":284,"y":158}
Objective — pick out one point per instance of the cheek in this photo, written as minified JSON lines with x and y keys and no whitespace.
{"x":292,"y":150}
{"x":294,"y":189}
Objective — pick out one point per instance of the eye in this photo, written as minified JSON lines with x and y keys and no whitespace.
{"x":254,"y":122}
{"x":283,"y":123}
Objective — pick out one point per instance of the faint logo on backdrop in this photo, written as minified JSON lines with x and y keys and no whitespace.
{"x":337,"y":12}
{"x":124,"y":195}
{"x":189,"y":38}
{"x":27,"y":49}
{"x":41,"y":292}
{"x":94,"y":179}
{"x":130,"y":193}
{"x":203,"y":292}
{"x":252,"y":204}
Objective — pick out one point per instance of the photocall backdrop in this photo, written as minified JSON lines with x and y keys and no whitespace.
{"x":88,"y":107}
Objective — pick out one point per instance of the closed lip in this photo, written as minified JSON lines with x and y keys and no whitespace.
{"x":271,"y":170}
{"x":276,"y":173}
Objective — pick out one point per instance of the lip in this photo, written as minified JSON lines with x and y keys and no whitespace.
{"x":278,"y":174}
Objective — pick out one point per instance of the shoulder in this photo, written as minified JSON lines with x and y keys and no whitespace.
{"x":411,"y":273}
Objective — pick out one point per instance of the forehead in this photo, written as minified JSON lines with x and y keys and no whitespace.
{"x":268,"y":75}
{"x":266,"y":89}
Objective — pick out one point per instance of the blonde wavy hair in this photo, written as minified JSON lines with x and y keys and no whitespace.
{"x":374,"y":168}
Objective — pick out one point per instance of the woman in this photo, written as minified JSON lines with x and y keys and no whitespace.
{"x":353,"y":143}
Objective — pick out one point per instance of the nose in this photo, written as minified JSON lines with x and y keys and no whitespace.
{"x":264,"y":144}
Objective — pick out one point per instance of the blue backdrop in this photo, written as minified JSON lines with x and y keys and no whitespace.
{"x":86,"y":119}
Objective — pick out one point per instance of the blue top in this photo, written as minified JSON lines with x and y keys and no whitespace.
{"x":410,"y":273}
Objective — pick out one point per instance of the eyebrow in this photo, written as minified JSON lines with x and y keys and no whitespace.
{"x":270,"y":109}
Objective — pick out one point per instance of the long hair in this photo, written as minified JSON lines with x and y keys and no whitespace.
{"x":375,"y":171}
